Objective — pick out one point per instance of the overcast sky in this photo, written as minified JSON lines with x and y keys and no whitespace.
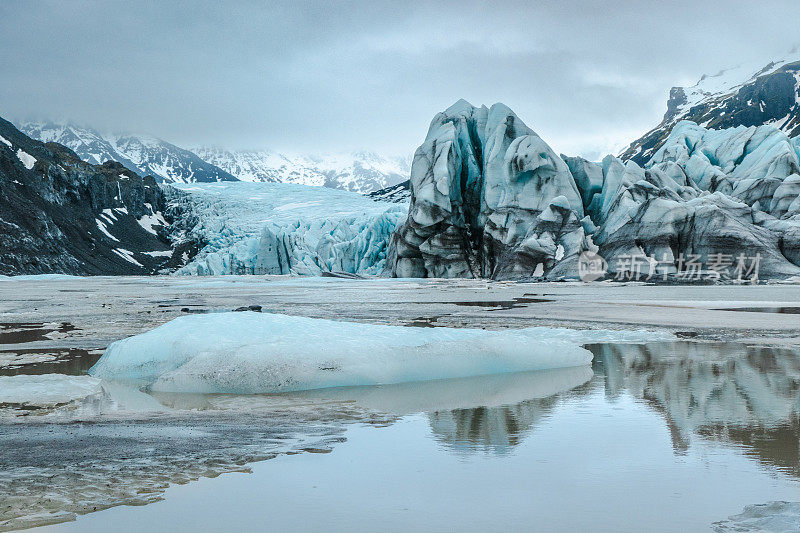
{"x":328,"y":75}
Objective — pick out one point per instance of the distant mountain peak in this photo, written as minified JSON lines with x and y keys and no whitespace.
{"x":361,"y":171}
{"x":143,"y":154}
{"x":750,"y":94}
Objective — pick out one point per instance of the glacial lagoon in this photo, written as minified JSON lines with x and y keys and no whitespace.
{"x":668,"y":435}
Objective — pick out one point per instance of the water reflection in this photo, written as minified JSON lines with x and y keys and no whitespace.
{"x":482,"y":413}
{"x":729,"y":393}
{"x":747,"y":398}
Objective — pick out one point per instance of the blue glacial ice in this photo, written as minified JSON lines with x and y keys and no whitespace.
{"x":266,"y":353}
{"x":279,"y":228}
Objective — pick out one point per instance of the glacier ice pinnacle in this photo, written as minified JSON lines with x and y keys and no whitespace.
{"x":489,"y":198}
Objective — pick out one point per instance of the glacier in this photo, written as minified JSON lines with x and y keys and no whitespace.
{"x":248,"y":352}
{"x":489,"y":198}
{"x":279,"y":228}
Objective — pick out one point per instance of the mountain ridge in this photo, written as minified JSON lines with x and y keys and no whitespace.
{"x":361,"y":171}
{"x":59,"y":214}
{"x":143,"y":154}
{"x":747,"y":95}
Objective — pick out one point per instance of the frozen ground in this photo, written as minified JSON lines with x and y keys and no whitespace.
{"x":100,"y":310}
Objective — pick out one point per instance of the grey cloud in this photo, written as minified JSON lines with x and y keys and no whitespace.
{"x":339,"y":75}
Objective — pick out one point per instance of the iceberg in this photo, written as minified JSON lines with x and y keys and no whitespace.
{"x":248,"y":352}
{"x":279,"y":228}
{"x":489,"y":198}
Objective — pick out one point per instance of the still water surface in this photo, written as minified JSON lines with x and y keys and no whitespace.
{"x":657,"y":437}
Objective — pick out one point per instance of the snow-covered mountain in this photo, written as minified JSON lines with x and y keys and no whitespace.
{"x":747,"y":95}
{"x":361,"y":171}
{"x":143,"y":154}
{"x":398,"y":194}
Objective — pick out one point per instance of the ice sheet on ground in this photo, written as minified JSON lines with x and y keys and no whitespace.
{"x":47,"y":390}
{"x":40,"y":277}
{"x":259,"y":353}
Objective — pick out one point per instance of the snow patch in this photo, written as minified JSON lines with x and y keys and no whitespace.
{"x":127,"y":255}
{"x":5,"y":141}
{"x":27,"y":159}
{"x":147,"y":222}
{"x":102,"y":227}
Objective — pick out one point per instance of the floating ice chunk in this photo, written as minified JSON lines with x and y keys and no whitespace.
{"x":257,"y":353}
{"x":70,"y":397}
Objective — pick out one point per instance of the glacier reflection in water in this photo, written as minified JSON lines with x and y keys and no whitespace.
{"x":742,"y":396}
{"x":748,"y":397}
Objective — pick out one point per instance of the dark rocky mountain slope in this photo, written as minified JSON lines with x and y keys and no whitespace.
{"x":59,"y":214}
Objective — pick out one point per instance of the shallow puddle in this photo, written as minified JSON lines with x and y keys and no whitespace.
{"x":69,"y":361}
{"x":18,"y":333}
